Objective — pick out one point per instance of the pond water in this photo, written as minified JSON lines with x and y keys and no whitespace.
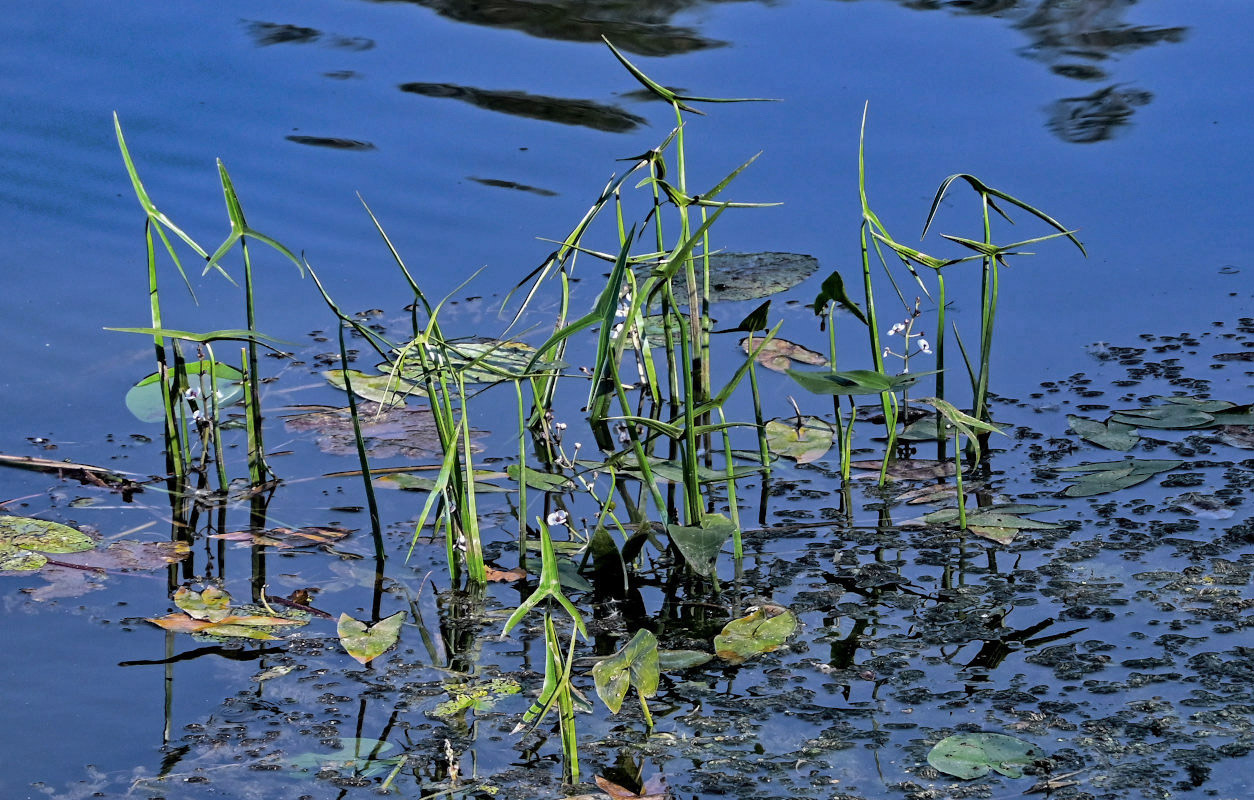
{"x":1117,"y":643}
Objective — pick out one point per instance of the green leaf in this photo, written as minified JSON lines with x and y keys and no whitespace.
{"x":855,"y":381}
{"x":1170,"y":416}
{"x":212,"y":603}
{"x":636,"y":664}
{"x":1111,"y":476}
{"x":22,"y":539}
{"x":764,"y":629}
{"x":146,"y":399}
{"x":751,"y":276}
{"x":674,"y":660}
{"x":974,"y":755}
{"x":701,"y":545}
{"x":1110,"y":435}
{"x":387,"y":390}
{"x":478,"y":361}
{"x":543,"y":481}
{"x":358,"y":756}
{"x":833,"y":291}
{"x":367,"y":642}
{"x":416,"y":483}
{"x":804,"y":440}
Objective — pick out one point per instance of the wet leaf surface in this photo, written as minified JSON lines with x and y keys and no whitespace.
{"x":146,"y":399}
{"x":387,"y":390}
{"x":764,"y":629}
{"x":1110,"y":435}
{"x":367,"y":642}
{"x":752,"y":276}
{"x":1111,"y":476}
{"x":635,"y":665}
{"x":23,"y":540}
{"x":804,"y":440}
{"x":701,"y":545}
{"x":974,"y":755}
{"x":779,"y":354}
{"x":311,"y":536}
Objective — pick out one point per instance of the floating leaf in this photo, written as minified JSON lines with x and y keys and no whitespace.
{"x":764,"y":629}
{"x":1170,"y":416}
{"x":1241,"y":436}
{"x":1000,"y":523}
{"x":476,"y":697}
{"x":212,"y":603}
{"x":416,"y":483}
{"x":360,"y":756}
{"x":1111,"y":476}
{"x":1207,"y":506}
{"x":855,"y":381}
{"x":146,"y":399}
{"x":909,"y":469}
{"x":636,"y":664}
{"x":700,"y":545}
{"x":804,"y":440}
{"x":405,"y":432}
{"x":974,"y":755}
{"x":751,"y":276}
{"x":1110,"y":435}
{"x":22,"y":539}
{"x":671,"y":660}
{"x":778,"y":354}
{"x":284,"y":538}
{"x":652,"y":790}
{"x":479,"y":361}
{"x":386,"y":390}
{"x":505,"y":575}
{"x":367,"y":642}
{"x":543,"y":481}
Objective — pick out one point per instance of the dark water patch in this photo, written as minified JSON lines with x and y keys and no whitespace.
{"x":266,"y":34}
{"x":333,"y":142}
{"x":566,"y":111}
{"x":518,"y":187}
{"x":638,"y":27}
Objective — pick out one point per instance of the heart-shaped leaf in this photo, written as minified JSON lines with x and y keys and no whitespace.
{"x":1110,"y":435}
{"x":22,"y":539}
{"x":636,"y":664}
{"x":974,"y":755}
{"x":367,"y":642}
{"x":146,"y":399}
{"x":1111,"y":476}
{"x":700,"y":545}
{"x":804,"y":440}
{"x":764,"y":629}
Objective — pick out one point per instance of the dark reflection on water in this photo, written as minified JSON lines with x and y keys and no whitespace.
{"x":639,"y":26}
{"x":333,"y":142}
{"x":567,"y":111}
{"x":268,"y":33}
{"x":1075,"y":38}
{"x":518,"y":187}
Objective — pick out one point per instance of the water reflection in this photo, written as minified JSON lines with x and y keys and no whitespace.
{"x":1077,"y":39}
{"x":567,"y":111}
{"x":639,"y":26}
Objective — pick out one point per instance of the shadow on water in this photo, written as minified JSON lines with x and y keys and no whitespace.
{"x":563,"y":110}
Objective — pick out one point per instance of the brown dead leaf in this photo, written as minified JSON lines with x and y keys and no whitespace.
{"x":506,"y":575}
{"x":287,"y":537}
{"x":623,"y":793}
{"x":778,"y":354}
{"x":909,"y":469}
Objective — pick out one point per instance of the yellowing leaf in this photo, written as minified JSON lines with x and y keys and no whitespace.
{"x":367,"y":642}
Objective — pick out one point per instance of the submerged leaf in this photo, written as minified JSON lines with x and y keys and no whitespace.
{"x":974,"y":755}
{"x":909,"y":469}
{"x":764,"y":629}
{"x":357,"y":756}
{"x":751,"y":276}
{"x":804,"y":440}
{"x":778,"y":354}
{"x":367,"y":642}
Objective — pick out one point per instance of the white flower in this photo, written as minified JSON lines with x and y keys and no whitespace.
{"x":887,"y":352}
{"x":558,"y":517}
{"x":924,"y":347}
{"x":192,"y":394}
{"x":896,"y":329}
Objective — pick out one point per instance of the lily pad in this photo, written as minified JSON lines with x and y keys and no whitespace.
{"x":386,"y":389}
{"x":1111,"y":435}
{"x":1177,"y":416}
{"x":478,"y":361}
{"x":764,"y":629}
{"x":804,"y":440}
{"x":544,"y":481}
{"x":701,"y":545}
{"x":778,"y":354}
{"x":636,"y":664}
{"x":146,"y":399}
{"x":22,"y":540}
{"x":367,"y":642}
{"x":751,"y":276}
{"x":1111,"y":476}
{"x":855,"y":381}
{"x":974,"y":755}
